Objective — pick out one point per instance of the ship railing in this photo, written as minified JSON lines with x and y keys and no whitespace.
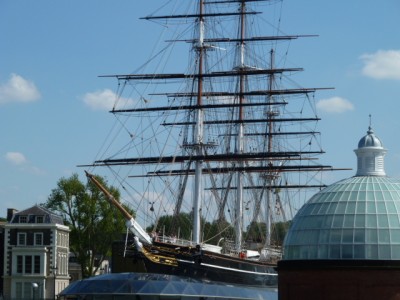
{"x":187,"y":243}
{"x":174,"y":240}
{"x":265,"y":253}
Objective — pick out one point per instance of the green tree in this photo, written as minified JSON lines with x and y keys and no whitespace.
{"x":173,"y":226}
{"x":218,"y":232}
{"x":181,"y":226}
{"x":279,"y":231}
{"x":93,"y":222}
{"x":256,"y":232}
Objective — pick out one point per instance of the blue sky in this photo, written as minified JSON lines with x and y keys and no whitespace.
{"x":53,"y":105}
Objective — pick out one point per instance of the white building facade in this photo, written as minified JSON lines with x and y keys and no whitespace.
{"x":36,"y":250}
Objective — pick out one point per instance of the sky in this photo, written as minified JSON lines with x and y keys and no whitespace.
{"x":53,"y":105}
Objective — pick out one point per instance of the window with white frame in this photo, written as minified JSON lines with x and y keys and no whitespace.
{"x":21,"y":239}
{"x":23,"y":219}
{"x":28,"y":264}
{"x":38,"y":237}
{"x":39,"y":219}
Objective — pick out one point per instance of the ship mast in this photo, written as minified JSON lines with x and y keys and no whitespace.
{"x":236,"y":115}
{"x":199,"y":132}
{"x":270,"y":177}
{"x":240,"y":135}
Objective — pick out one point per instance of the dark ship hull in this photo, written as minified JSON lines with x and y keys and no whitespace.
{"x":170,"y":259}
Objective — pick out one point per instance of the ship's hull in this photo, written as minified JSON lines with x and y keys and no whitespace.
{"x":204,"y":265}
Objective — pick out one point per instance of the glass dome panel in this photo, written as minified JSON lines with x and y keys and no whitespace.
{"x":371,"y":221}
{"x":341,"y":208}
{"x":337,"y":221}
{"x":381,"y":207}
{"x":395,"y":251}
{"x":323,"y":237}
{"x":371,"y":208}
{"x":359,"y":236}
{"x":351,"y":207}
{"x":347,"y":251}
{"x":347,"y":236}
{"x":384,"y":236}
{"x":334,"y":252}
{"x":359,"y":252}
{"x":348,"y":221}
{"x":383,"y":221}
{"x":356,"y":218}
{"x":394,"y":221}
{"x":361,"y":207}
{"x":158,"y":286}
{"x":360,"y":221}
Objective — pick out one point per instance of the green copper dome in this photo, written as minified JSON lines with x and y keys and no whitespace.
{"x":355,"y":218}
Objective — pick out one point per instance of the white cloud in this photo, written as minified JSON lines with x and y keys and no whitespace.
{"x":16,"y":158}
{"x":382,"y":64}
{"x":335,"y":105}
{"x":105,"y":100}
{"x":18,"y":89}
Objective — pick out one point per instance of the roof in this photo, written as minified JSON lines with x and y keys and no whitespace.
{"x":356,"y":218}
{"x":148,"y":286}
{"x":36,"y":210}
{"x":370,"y":140}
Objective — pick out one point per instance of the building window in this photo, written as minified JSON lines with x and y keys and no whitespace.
{"x":27,"y":290}
{"x":37,"y":265}
{"x":24,"y":290}
{"x":18,"y":290}
{"x":38,"y":239}
{"x":19,"y":264}
{"x":39,"y":219}
{"x":28,"y":264}
{"x":21,"y":239}
{"x":23,"y":219}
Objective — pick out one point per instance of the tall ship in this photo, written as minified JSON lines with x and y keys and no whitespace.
{"x":216,"y":155}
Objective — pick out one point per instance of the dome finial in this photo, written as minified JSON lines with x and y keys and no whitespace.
{"x":370,"y":125}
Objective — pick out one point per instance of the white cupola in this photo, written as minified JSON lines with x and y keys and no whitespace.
{"x":370,"y":155}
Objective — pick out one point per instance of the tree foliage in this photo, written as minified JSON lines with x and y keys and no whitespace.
{"x":93,"y":222}
{"x":173,"y":226}
{"x":279,"y":231}
{"x":181,"y":226}
{"x":218,"y":232}
{"x":256,"y":232}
